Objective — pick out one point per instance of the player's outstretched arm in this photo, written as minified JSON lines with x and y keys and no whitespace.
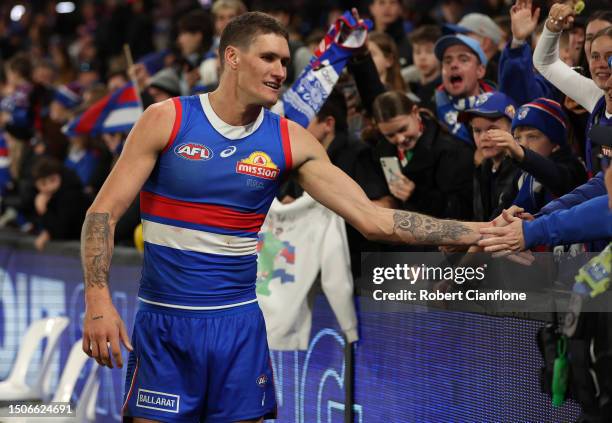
{"x":338,"y":192}
{"x":102,"y":324}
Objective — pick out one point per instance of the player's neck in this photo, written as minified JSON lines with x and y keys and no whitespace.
{"x":229,"y":107}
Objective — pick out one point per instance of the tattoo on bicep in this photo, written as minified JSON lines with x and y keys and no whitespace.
{"x":97,"y":317}
{"x":96,"y":249}
{"x":428,"y":230}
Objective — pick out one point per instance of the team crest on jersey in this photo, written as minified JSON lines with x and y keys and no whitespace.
{"x":258,"y":164}
{"x":193,"y":151}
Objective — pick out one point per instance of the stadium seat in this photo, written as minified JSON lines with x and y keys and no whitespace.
{"x":85,"y":409}
{"x":15,"y":387}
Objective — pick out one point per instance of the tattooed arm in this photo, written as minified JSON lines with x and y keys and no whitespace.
{"x":335,"y":190}
{"x":102,"y":325}
{"x":414,"y":228}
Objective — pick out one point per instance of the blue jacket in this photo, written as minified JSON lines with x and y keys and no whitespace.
{"x":594,"y":187}
{"x":588,"y":221}
{"x":518,"y":78}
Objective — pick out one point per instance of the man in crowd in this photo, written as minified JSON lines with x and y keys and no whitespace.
{"x":463,"y":67}
{"x":488,"y":34}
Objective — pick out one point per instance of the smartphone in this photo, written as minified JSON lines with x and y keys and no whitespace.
{"x":391,"y":168}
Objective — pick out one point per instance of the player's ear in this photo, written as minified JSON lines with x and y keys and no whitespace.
{"x":232,"y":57}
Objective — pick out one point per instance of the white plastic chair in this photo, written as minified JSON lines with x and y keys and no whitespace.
{"x":85,"y":410}
{"x":15,"y":387}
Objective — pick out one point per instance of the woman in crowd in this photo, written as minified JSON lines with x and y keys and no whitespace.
{"x":384,"y":53}
{"x":436,"y":171}
{"x":589,"y":93}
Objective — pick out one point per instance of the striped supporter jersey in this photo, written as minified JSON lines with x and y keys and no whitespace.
{"x":204,"y":203}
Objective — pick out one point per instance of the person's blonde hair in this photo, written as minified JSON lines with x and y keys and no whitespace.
{"x":237,"y":5}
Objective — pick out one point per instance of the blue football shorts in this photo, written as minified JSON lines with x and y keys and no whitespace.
{"x":190,"y":366}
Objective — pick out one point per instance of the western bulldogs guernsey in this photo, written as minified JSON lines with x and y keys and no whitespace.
{"x":203,"y":205}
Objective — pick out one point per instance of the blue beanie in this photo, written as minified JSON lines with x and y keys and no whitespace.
{"x":545,"y":115}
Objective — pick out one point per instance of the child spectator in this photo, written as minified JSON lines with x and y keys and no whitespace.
{"x":495,"y":176}
{"x":539,"y":148}
{"x":423,"y":40}
{"x":60,"y":202}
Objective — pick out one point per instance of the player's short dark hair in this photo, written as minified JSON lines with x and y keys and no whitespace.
{"x":425,"y":34}
{"x":243,"y":29}
{"x":335,"y":106}
{"x":45,"y":167}
{"x":391,"y":104}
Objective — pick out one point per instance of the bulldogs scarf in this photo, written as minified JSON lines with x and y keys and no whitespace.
{"x":306,"y":96}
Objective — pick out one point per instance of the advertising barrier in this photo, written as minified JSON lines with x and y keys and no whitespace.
{"x":410,"y":365}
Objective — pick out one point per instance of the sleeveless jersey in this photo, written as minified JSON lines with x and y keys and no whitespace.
{"x":204,"y":203}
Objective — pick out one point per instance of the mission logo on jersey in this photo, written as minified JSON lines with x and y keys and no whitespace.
{"x":193,"y":151}
{"x":258,"y":164}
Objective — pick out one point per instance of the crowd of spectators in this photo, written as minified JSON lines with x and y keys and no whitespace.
{"x":448,"y":88}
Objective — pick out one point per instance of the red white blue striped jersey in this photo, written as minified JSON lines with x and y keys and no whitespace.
{"x":204,"y":203}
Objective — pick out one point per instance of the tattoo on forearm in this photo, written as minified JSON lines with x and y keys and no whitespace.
{"x":428,"y":230}
{"x":96,"y":249}
{"x":97,"y":317}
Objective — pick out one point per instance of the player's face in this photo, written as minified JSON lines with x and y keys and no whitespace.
{"x":601,"y":50}
{"x":403,"y":131}
{"x":263,"y":69}
{"x":480,"y":128}
{"x":461,"y":71}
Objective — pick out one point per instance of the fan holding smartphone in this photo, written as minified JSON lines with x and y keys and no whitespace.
{"x":426,"y":169}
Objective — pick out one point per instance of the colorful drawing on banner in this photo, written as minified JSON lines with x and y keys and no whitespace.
{"x":275,"y":260}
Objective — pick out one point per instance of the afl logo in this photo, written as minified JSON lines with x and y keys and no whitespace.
{"x":228,"y":151}
{"x":193,"y":151}
{"x":262,"y":380}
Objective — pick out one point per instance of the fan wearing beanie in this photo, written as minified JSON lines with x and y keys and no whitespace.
{"x":538,"y":146}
